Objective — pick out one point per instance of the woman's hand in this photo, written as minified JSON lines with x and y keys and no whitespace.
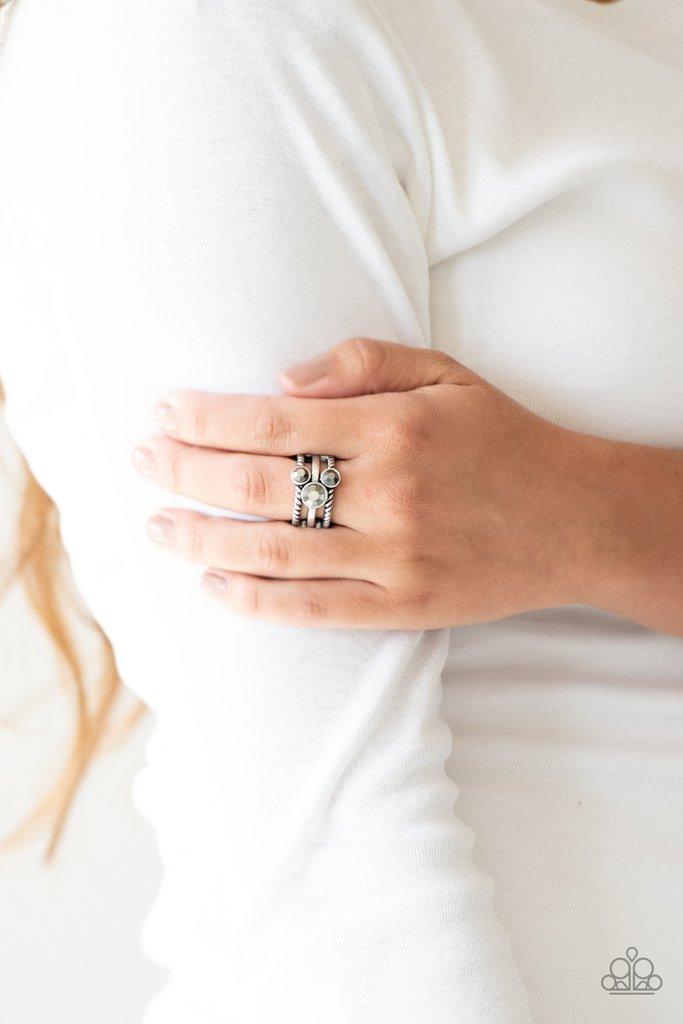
{"x":456,"y":505}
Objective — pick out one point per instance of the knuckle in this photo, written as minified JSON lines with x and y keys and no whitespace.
{"x":249,"y":485}
{"x":404,"y":495}
{"x":173,"y":457}
{"x":271,"y":427}
{"x":442,"y":361}
{"x":247,"y":597}
{"x":271,"y":553}
{"x":410,"y":549}
{"x":409,"y":559}
{"x":196,"y":418}
{"x":365,"y":355}
{"x":412,"y":425}
{"x":311,"y":609}
{"x":195,"y":540}
{"x":415,"y":598}
{"x":404,"y":430}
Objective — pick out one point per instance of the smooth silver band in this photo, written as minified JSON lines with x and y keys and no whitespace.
{"x":315,"y":477}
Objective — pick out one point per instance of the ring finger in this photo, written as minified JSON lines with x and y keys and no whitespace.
{"x":255,"y":484}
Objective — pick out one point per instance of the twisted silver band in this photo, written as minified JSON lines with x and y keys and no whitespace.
{"x":299,"y":476}
{"x":327,"y":508}
{"x":314,"y":489}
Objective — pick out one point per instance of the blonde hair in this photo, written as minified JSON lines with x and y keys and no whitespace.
{"x":40,"y":565}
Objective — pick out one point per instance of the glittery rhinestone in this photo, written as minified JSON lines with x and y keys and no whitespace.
{"x":300,"y":475}
{"x":330,"y":477}
{"x":314,"y":495}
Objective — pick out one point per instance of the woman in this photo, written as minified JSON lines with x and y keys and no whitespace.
{"x":473,"y":213}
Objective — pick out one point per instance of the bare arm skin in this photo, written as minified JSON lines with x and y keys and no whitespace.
{"x":457,"y":504}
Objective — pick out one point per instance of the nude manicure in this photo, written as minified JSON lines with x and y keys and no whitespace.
{"x":165,"y":417}
{"x":161,"y":529}
{"x":214,"y":584}
{"x":144,"y":461}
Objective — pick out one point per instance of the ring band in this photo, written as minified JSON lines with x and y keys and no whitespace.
{"x":315,"y":495}
{"x":299,"y":476}
{"x":313,"y":490}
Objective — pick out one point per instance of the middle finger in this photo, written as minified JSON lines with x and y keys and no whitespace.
{"x":235,"y":481}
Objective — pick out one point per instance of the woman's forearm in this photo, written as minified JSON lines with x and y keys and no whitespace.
{"x":628,"y":506}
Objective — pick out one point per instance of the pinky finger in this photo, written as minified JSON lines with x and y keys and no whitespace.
{"x":336,"y":603}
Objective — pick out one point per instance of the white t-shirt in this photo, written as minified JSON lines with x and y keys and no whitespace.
{"x":198,"y":193}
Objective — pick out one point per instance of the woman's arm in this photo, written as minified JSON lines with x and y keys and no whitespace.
{"x":630,"y":501}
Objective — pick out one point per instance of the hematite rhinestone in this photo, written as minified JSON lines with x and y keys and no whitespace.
{"x":314,"y":495}
{"x":330,"y":477}
{"x":300,"y":475}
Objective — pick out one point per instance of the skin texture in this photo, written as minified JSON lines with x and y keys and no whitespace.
{"x":457,"y":504}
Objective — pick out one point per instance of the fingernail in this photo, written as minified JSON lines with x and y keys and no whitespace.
{"x":161,"y":529}
{"x":214,"y":584}
{"x":144,"y":462}
{"x":309,"y":372}
{"x":165,"y":416}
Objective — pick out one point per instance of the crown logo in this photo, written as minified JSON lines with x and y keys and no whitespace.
{"x":631,"y":975}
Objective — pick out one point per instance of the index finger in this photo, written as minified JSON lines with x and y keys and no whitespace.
{"x":265,"y":424}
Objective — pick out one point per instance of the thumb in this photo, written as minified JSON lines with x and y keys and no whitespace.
{"x":362,"y":366}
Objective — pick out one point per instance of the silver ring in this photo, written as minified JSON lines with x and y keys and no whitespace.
{"x":314,"y":490}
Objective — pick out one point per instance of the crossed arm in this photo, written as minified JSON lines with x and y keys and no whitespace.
{"x":457,"y":505}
